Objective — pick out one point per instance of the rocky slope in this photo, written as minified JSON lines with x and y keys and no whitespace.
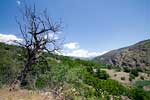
{"x":137,"y":55}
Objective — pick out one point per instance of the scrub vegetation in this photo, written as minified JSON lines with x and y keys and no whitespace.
{"x":73,"y":79}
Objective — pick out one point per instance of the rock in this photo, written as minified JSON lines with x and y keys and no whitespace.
{"x":137,"y":55}
{"x":125,"y":98}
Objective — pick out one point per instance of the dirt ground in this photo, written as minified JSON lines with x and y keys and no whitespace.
{"x":117,"y":76}
{"x":5,"y":94}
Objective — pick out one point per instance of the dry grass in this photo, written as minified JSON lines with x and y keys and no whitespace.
{"x":147,"y":88}
{"x":5,"y":94}
{"x":146,"y":77}
{"x":118,"y":75}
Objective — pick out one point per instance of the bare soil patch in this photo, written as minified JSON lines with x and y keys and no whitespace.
{"x":5,"y":94}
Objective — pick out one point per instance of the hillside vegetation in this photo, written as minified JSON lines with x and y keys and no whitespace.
{"x":73,"y":79}
{"x":5,"y":94}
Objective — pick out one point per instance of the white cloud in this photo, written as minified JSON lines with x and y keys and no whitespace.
{"x":73,"y":49}
{"x":72,"y":45}
{"x":18,"y":2}
{"x":51,"y":36}
{"x":83,"y":53}
{"x":9,"y":38}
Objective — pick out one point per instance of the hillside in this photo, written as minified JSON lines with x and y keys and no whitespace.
{"x":137,"y":55}
{"x":5,"y":94}
{"x":72,"y":79}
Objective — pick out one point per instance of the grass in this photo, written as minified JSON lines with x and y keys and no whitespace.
{"x":75,"y":79}
{"x":141,"y":84}
{"x":5,"y":94}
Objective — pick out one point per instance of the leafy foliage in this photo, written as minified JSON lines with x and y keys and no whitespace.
{"x":126,"y":69}
{"x":139,"y":94}
{"x":134,"y":72}
{"x":9,"y":63}
{"x":75,"y":78}
{"x":141,"y":84}
{"x":101,"y":74}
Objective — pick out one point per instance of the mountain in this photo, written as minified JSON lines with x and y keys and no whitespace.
{"x":137,"y":55}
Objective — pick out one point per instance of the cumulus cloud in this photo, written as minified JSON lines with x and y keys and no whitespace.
{"x":71,"y":45}
{"x":83,"y":53}
{"x":18,"y":2}
{"x":73,"y":49}
{"x":9,"y":38}
{"x":51,"y":35}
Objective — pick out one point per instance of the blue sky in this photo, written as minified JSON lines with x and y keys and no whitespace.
{"x":94,"y":26}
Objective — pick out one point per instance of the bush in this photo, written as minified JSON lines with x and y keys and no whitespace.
{"x":122,"y":78}
{"x":130,"y":79}
{"x":131,"y":76}
{"x":111,"y":86}
{"x":109,"y":66}
{"x":134,"y":72}
{"x":148,"y":75}
{"x":140,"y":69}
{"x":139,"y":94}
{"x":118,"y":69}
{"x":73,"y":76}
{"x":141,"y":84}
{"x":142,"y":77}
{"x":101,"y":74}
{"x":126,"y":69}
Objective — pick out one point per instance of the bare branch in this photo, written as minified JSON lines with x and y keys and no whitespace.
{"x":36,"y":29}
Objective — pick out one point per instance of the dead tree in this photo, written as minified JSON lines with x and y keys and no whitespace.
{"x":39,"y":35}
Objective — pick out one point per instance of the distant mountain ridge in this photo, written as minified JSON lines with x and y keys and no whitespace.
{"x":137,"y":55}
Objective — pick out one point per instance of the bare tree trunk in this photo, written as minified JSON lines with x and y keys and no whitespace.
{"x":24,"y":73}
{"x":19,"y":81}
{"x":38,"y":34}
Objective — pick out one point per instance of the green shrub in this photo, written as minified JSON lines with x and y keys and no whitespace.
{"x":126,"y":69}
{"x":141,"y":84}
{"x":6,"y":73}
{"x":130,"y":79}
{"x":78,"y":74}
{"x":42,"y":81}
{"x":142,"y":77}
{"x":140,"y":69}
{"x":117,"y":69}
{"x":111,"y":86}
{"x":134,"y":72}
{"x":122,"y":78}
{"x":102,"y":74}
{"x":109,"y":66}
{"x":139,"y":94}
{"x":131,"y":76}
